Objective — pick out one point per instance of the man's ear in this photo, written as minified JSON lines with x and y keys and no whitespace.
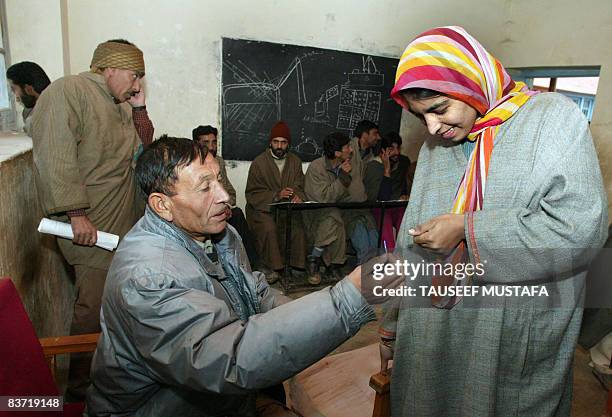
{"x":161,"y":204}
{"x":29,"y":90}
{"x":108,"y":72}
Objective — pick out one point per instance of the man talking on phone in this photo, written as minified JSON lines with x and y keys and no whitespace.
{"x":87,"y":130}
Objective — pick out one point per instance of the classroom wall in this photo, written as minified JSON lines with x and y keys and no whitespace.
{"x":183,"y":52}
{"x":35,"y":33}
{"x":544,"y":33}
{"x":181,"y":42}
{"x":566,"y":33}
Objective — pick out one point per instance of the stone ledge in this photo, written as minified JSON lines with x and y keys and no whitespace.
{"x":13,"y":144}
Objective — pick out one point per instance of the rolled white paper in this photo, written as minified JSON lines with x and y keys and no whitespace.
{"x":105,"y":240}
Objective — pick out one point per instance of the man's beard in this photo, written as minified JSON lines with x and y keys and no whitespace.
{"x":28,"y":101}
{"x":213,"y":152}
{"x":279,"y":153}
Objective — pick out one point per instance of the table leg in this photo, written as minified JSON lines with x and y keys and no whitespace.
{"x":287,"y":259}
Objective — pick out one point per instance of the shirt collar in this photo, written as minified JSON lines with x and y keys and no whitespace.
{"x":100,"y":81}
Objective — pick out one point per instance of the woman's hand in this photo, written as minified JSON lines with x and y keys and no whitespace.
{"x":440,"y":234}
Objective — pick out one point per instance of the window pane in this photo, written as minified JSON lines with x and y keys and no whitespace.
{"x":4,"y":98}
{"x":541,"y":82}
{"x":582,"y":85}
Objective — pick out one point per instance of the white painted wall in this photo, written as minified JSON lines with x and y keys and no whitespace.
{"x":564,"y":33}
{"x":181,"y":42}
{"x":35,"y":34}
{"x":529,"y":33}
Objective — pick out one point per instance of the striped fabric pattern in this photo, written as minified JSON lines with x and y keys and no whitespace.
{"x":449,"y":60}
{"x":118,"y":55}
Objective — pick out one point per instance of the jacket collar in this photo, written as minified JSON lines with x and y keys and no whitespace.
{"x":242,"y":292}
{"x":329,"y":166}
{"x":99,"y":80}
{"x":270,"y":160}
{"x":155,"y":224}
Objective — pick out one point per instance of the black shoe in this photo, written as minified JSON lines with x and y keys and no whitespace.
{"x":312,"y":270}
{"x":336,"y":272}
{"x":297,"y":272}
{"x":272,"y":277}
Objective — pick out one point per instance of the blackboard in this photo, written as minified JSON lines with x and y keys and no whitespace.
{"x":316,"y":91}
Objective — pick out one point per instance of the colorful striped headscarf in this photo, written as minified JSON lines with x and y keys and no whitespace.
{"x":449,"y":60}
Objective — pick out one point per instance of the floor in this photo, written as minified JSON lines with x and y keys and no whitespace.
{"x":589,"y":396}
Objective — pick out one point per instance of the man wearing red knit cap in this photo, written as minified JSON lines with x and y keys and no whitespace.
{"x":275,"y":175}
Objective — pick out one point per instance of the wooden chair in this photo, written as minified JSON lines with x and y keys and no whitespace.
{"x":381,"y":384}
{"x":53,"y":346}
{"x":337,"y":386}
{"x":26,"y":369}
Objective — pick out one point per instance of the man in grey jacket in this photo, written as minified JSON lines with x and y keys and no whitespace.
{"x":191,"y":331}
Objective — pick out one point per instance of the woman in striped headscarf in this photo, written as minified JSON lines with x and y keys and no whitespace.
{"x":507,"y":174}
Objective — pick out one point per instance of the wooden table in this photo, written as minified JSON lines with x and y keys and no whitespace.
{"x":290,"y":207}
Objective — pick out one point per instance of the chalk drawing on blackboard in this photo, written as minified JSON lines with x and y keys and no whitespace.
{"x":295,"y":65}
{"x":253,"y":102}
{"x":245,"y":106}
{"x":321,"y":107}
{"x":356,"y":105}
{"x":315,"y":91}
{"x":368,"y":76}
{"x":309,"y":147}
{"x":356,"y":102}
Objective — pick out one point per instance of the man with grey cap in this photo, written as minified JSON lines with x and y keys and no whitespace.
{"x":85,"y":132}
